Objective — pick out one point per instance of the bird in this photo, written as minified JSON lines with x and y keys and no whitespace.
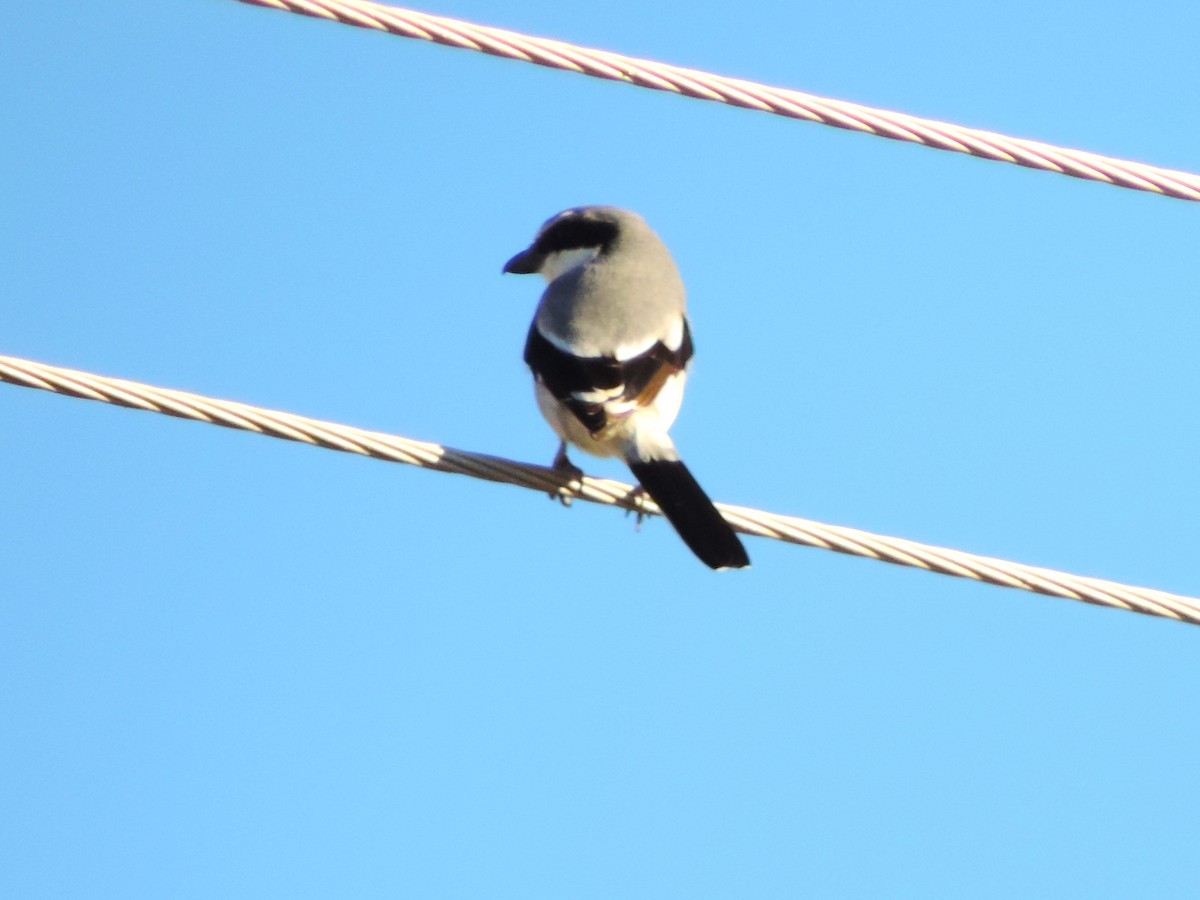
{"x":609,"y":349}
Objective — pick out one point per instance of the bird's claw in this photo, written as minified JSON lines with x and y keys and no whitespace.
{"x":636,"y":504}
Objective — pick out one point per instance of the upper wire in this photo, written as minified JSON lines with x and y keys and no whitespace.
{"x":748,"y":94}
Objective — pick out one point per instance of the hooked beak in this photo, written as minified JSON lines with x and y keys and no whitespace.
{"x":524,"y":263}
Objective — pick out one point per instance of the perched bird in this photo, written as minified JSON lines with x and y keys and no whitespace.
{"x":609,"y":349}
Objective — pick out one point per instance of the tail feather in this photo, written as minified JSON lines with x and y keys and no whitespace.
{"x":691,"y":512}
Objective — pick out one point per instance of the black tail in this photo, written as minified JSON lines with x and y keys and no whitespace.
{"x":688,"y":508}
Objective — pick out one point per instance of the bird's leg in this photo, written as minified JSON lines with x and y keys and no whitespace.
{"x":562,"y":463}
{"x":637,"y":498}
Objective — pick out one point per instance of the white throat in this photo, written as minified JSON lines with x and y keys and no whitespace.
{"x":561,"y":261}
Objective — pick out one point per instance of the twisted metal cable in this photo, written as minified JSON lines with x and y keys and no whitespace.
{"x":747,"y":94}
{"x":392,"y":448}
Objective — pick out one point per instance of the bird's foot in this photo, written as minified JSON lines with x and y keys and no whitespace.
{"x":636,"y":500}
{"x":563,"y":465}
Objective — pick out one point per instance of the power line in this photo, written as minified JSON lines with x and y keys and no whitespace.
{"x":392,"y":448}
{"x":748,"y":94}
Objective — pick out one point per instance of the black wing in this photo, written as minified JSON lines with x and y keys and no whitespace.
{"x":637,"y":379}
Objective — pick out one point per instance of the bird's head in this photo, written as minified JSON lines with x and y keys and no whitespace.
{"x":572,"y":238}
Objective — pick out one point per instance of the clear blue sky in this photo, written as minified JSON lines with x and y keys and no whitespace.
{"x":238,"y":667}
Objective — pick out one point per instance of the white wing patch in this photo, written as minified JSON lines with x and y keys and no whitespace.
{"x":600,"y":395}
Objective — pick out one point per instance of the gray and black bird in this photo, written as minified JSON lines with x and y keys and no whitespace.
{"x":609,"y":348}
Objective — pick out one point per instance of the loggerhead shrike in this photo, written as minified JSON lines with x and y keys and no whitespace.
{"x":609,"y":349}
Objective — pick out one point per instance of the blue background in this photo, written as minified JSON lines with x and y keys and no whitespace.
{"x":238,"y":667}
